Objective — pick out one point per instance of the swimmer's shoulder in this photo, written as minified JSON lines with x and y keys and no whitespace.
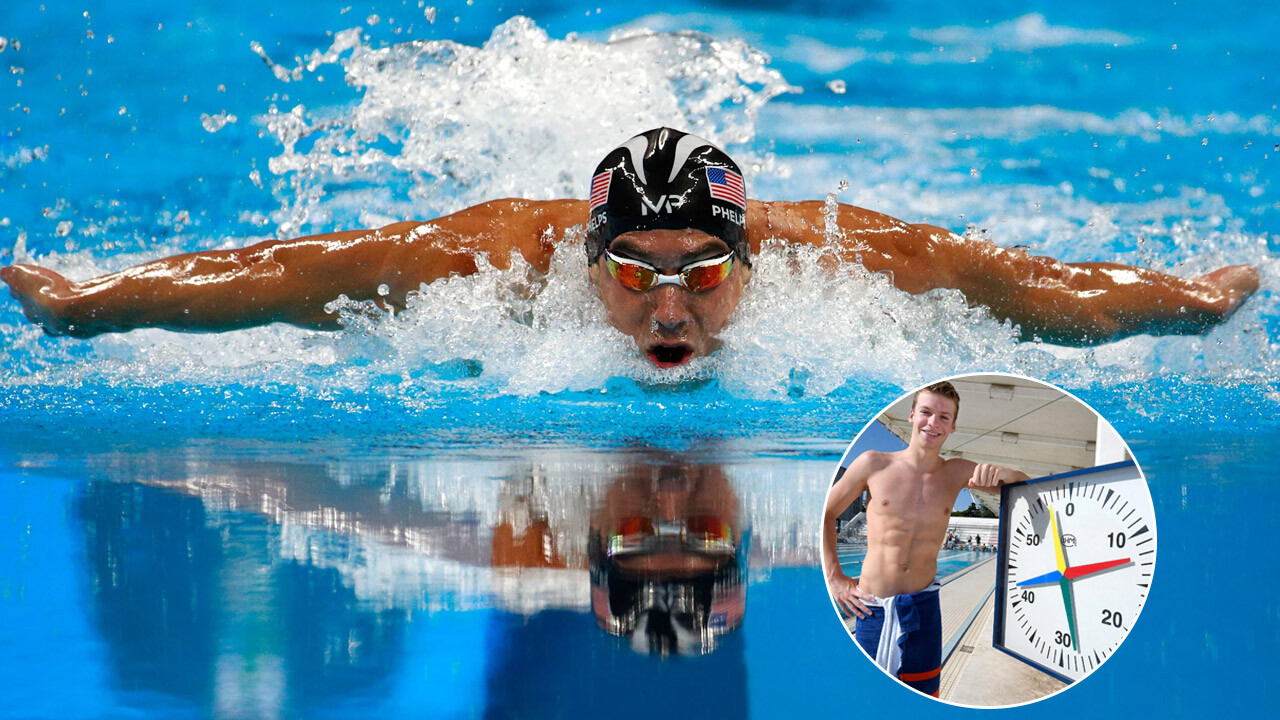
{"x":496,"y":227}
{"x":515,"y":213}
{"x":870,"y":463}
{"x":959,"y":469}
{"x":803,"y":221}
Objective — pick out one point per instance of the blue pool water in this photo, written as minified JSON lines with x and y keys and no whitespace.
{"x":197,"y":525}
{"x":949,"y":561}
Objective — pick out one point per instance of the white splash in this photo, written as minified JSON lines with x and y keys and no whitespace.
{"x":446,"y":125}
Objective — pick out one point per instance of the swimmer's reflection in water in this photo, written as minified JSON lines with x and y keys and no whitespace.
{"x":667,"y":560}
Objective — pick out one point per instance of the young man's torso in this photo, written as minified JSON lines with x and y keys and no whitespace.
{"x":907,"y":517}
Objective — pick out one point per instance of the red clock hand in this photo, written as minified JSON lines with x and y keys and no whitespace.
{"x":1082,"y":570}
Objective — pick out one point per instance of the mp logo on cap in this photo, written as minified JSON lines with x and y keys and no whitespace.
{"x":665,"y":204}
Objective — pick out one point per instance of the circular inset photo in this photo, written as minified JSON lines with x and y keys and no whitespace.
{"x":988,"y":540}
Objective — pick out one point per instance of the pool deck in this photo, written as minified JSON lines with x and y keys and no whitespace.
{"x":973,"y":672}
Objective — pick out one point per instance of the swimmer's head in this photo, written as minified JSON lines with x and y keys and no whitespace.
{"x":934,"y":410}
{"x":665,"y":179}
{"x":666,"y":243}
{"x":943,"y":389}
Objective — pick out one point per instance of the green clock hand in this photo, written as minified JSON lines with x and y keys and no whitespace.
{"x":1064,"y":582}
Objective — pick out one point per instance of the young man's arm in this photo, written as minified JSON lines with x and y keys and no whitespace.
{"x":844,"y":589}
{"x":1078,"y":303}
{"x":987,"y":475}
{"x":291,"y":281}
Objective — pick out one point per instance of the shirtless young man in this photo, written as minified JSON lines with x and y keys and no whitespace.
{"x":669,"y":240}
{"x":912,"y":492}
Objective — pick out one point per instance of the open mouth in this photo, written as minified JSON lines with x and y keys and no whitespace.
{"x":669,"y":355}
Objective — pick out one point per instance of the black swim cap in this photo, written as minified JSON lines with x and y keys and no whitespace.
{"x":665,"y":179}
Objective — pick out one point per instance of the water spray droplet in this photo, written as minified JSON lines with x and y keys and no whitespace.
{"x":214,"y":123}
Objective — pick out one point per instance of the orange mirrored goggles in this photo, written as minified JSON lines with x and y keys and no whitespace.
{"x":695,"y":277}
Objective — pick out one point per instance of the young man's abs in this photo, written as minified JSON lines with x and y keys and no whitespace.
{"x":907,"y":521}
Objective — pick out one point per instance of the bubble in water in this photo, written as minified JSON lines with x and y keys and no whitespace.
{"x":430,"y":15}
{"x":384,"y":290}
{"x":4,"y":43}
{"x":64,"y":228}
{"x":837,"y":86}
{"x":373,"y":19}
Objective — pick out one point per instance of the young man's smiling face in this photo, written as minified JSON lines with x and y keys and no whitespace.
{"x":670,"y":324}
{"x":933,"y":419}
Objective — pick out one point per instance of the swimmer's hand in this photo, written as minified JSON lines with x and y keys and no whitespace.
{"x":43,"y":295}
{"x":988,"y":475}
{"x":849,"y":596}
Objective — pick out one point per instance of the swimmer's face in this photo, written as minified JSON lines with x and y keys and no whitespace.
{"x":670,"y":324}
{"x":933,"y":419}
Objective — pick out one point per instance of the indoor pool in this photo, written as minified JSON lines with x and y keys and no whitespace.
{"x":398,"y":517}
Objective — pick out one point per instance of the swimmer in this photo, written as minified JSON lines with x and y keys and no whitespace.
{"x":669,"y":239}
{"x":912,"y":492}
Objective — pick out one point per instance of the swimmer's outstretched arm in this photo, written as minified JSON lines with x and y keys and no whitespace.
{"x":290,"y":281}
{"x":1076,"y":303}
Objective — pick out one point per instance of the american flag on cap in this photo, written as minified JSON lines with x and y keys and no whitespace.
{"x":727,"y":185}
{"x":600,"y":189}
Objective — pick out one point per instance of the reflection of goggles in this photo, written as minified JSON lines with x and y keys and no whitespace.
{"x":695,"y":277}
{"x":700,"y":534}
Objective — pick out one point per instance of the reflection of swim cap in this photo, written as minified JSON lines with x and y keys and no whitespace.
{"x":665,"y":179}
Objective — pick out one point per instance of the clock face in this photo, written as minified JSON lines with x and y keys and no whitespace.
{"x":1078,"y":552}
